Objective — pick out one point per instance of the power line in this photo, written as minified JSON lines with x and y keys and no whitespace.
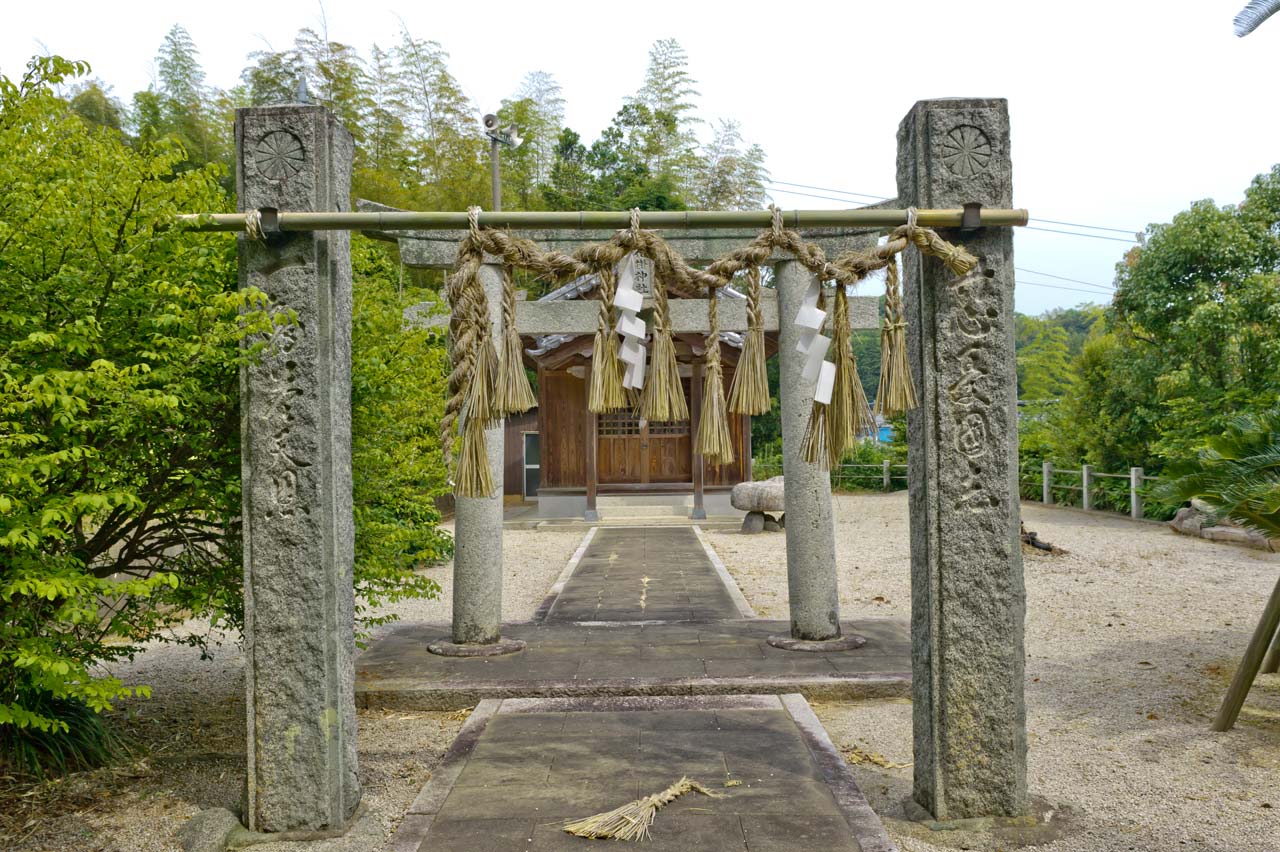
{"x":1093,"y":293}
{"x":1107,"y":287}
{"x":1091,"y":227}
{"x":783,"y":183}
{"x":1078,"y":234}
{"x":811,"y":195}
{"x":828,"y":189}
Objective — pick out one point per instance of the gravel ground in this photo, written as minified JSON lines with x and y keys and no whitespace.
{"x":190,"y":734}
{"x":1131,"y":639}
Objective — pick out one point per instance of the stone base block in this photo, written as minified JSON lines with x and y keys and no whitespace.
{"x":446,"y":648}
{"x":848,"y":642}
{"x":1042,"y":823}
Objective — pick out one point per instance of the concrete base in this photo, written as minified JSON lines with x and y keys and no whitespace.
{"x":1042,"y":824}
{"x":220,"y":830}
{"x":446,"y":648}
{"x":848,"y":642}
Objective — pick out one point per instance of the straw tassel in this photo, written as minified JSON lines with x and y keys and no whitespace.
{"x":715,"y":444}
{"x":512,"y":393}
{"x":474,"y":479}
{"x":749,"y":393}
{"x":850,"y":415}
{"x":663,"y":398}
{"x":816,"y":446}
{"x":897,"y":392}
{"x":632,"y":820}
{"x":606,"y":370}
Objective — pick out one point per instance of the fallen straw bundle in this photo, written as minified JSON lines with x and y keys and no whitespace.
{"x":715,"y":444}
{"x":606,"y":370}
{"x":632,"y":820}
{"x":897,"y":392}
{"x":512,"y":393}
{"x":750,"y":391}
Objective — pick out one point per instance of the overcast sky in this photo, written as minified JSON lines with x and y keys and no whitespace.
{"x":1122,"y":112}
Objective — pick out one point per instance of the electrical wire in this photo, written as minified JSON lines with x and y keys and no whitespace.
{"x":1078,"y":234}
{"x":782,"y":183}
{"x":1107,"y":287}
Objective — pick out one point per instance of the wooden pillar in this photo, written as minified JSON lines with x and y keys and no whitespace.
{"x":746,"y":448}
{"x":699,"y":512}
{"x":590,"y":443}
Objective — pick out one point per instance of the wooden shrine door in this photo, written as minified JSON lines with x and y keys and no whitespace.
{"x":632,"y":451}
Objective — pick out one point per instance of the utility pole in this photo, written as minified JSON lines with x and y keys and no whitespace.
{"x":498,"y":137}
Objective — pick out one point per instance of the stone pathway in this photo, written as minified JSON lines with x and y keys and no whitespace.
{"x":521,"y":768}
{"x":644,"y":574}
{"x":645,"y":663}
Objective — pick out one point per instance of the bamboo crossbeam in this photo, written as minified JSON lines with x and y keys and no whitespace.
{"x":589,"y":219}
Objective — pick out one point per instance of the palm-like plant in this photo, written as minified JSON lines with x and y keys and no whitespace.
{"x":1253,"y":14}
{"x":1238,"y":474}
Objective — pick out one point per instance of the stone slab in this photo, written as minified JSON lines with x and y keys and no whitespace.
{"x":586,"y":756}
{"x":644,"y":574}
{"x":577,"y":660}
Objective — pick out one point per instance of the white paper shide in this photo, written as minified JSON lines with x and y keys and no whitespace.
{"x":633,"y":276}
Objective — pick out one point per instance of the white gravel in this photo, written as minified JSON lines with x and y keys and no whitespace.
{"x":1131,"y":640}
{"x":192,"y":733}
{"x":532,"y":560}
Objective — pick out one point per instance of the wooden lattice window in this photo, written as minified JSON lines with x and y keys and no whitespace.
{"x":670,"y":427}
{"x":616,"y":423}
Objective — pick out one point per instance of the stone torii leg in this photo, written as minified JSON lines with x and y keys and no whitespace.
{"x":811,"y":545}
{"x":477,"y":534}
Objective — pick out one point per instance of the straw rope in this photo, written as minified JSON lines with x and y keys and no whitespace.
{"x":476,"y":362}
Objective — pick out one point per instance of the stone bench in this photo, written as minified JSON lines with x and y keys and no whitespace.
{"x":760,"y":500}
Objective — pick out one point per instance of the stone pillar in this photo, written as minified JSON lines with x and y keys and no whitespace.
{"x":296,"y":476}
{"x":811,"y":542}
{"x":967,"y":596}
{"x":477,"y":542}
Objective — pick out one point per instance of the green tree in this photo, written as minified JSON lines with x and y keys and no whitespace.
{"x":669,"y":146}
{"x":178,"y":104}
{"x":1043,"y":353}
{"x":119,"y":431}
{"x":94,"y":102}
{"x":446,"y":148}
{"x":1237,"y":474}
{"x":730,"y":176}
{"x":120,"y":342}
{"x":398,"y":381}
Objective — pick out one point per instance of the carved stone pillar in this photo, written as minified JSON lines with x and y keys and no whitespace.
{"x":967,"y":594}
{"x":296,"y":472}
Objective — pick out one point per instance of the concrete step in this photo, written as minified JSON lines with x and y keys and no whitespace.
{"x":718,"y":522}
{"x":661,"y":501}
{"x":642,"y":511}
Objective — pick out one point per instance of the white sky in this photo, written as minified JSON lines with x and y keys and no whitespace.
{"x":1122,"y":112}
